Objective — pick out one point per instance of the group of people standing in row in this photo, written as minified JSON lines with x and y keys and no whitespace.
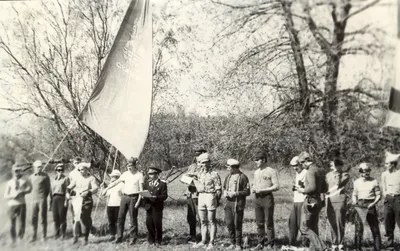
{"x":313,"y":190}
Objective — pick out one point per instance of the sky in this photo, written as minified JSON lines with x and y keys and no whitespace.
{"x":188,"y":86}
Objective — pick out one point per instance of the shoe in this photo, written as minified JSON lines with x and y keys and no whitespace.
{"x":191,"y":239}
{"x":117,"y":241}
{"x":238,"y":248}
{"x":111,"y":238}
{"x":133,"y":242}
{"x":341,"y":247}
{"x":85,"y":242}
{"x":210,"y":246}
{"x":258,"y":247}
{"x":32,"y":240}
{"x":269,"y":247}
{"x":199,"y":245}
{"x":75,"y":240}
{"x":388,"y":244}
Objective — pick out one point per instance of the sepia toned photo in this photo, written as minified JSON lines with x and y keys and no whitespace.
{"x":267,"y":125}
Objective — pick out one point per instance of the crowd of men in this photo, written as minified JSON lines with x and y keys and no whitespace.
{"x":313,"y":191}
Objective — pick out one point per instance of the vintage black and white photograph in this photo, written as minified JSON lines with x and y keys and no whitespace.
{"x":267,"y":125}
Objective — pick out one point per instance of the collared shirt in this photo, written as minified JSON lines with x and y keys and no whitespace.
{"x":41,"y":187}
{"x":132,"y":182}
{"x":74,"y":175}
{"x":210,"y":182}
{"x":59,"y":184}
{"x":84,"y":184}
{"x":391,"y":182}
{"x":336,"y":182}
{"x":366,"y":189}
{"x":300,"y":178}
{"x":114,"y":195}
{"x":15,"y":186}
{"x":265,"y":178}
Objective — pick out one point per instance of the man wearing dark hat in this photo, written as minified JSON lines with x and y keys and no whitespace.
{"x":391,"y":194}
{"x":133,"y":180}
{"x":236,"y":189}
{"x":14,"y":193}
{"x":154,"y":206}
{"x":192,"y":195}
{"x":265,"y":183}
{"x":314,"y":186}
{"x":60,"y":204}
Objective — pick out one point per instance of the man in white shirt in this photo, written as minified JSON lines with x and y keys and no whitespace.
{"x":298,"y":200}
{"x":15,"y":192}
{"x":73,"y":176}
{"x":133,"y":180}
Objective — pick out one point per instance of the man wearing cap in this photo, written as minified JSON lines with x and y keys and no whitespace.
{"x":391,"y":194}
{"x":236,"y":189}
{"x":114,"y":197}
{"x":209,"y":188}
{"x":84,"y":187}
{"x":366,"y":195}
{"x":265,"y":183}
{"x":154,"y":206}
{"x":192,"y":195}
{"x":60,"y":204}
{"x":314,"y":187}
{"x":14,"y":193}
{"x":336,"y":198}
{"x":73,"y":176}
{"x":133,"y":184}
{"x":41,"y":189}
{"x":298,"y":200}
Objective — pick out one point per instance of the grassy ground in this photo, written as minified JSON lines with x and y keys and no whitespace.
{"x":175,"y":225}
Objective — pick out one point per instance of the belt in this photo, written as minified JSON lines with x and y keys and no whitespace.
{"x":366,"y":200}
{"x":132,"y":195}
{"x":393,"y":195}
{"x":58,"y":194}
{"x":208,"y":192}
{"x":263,"y":195}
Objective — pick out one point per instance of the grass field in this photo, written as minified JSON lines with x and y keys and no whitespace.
{"x":175,"y":225}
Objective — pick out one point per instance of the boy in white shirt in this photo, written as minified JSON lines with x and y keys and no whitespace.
{"x":114,"y":196}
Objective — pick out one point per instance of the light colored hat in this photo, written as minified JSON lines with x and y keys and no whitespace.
{"x":364,"y":167}
{"x":59,"y":165}
{"x":83,"y":165}
{"x":115,"y":173}
{"x":294,"y":161}
{"x":37,"y":163}
{"x":390,"y":157}
{"x":204,"y":157}
{"x":232,"y":162}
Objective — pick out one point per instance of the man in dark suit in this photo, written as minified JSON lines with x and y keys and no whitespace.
{"x":154,"y":206}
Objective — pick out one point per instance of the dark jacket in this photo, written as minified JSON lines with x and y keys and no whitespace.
{"x":159,"y":190}
{"x":243,"y":190}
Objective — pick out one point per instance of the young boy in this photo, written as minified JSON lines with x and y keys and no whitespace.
{"x":114,"y":196}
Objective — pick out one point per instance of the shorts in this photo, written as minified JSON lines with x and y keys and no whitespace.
{"x":207,"y":201}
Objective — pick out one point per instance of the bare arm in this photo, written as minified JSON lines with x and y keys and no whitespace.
{"x":383,"y":180}
{"x":355,"y":193}
{"x":7,"y":194}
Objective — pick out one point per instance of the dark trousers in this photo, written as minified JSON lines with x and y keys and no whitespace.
{"x":234,"y":222}
{"x":17,"y":213}
{"x":154,"y":225}
{"x":295,"y":223}
{"x":39,"y":206}
{"x":264,"y":209}
{"x":59,"y":211}
{"x":112,"y":215}
{"x":85,"y":224}
{"x":191,"y":215}
{"x":309,"y":223}
{"x":128,"y":205}
{"x":392,"y":215}
{"x":371,"y":217}
{"x":336,"y":212}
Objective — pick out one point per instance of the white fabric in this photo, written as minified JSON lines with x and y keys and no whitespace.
{"x":232,"y":162}
{"x":132,"y":182}
{"x":119,"y":108}
{"x":299,"y":197}
{"x":114,"y":195}
{"x":74,"y":175}
{"x":12,"y":189}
